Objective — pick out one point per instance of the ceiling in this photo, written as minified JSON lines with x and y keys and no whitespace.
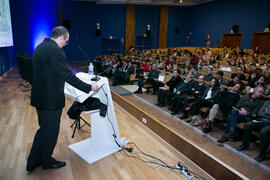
{"x":151,"y":2}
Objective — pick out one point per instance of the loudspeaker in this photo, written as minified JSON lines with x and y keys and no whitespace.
{"x":235,"y":28}
{"x":176,"y":31}
{"x":98,"y":32}
{"x":66,"y":23}
{"x":148,"y":33}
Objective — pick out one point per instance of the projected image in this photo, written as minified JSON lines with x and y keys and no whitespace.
{"x":5,"y":24}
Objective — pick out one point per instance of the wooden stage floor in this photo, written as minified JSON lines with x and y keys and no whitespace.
{"x":19,"y":123}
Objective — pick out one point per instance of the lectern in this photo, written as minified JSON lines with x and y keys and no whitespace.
{"x":105,"y":138}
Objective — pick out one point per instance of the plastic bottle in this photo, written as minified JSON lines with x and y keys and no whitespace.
{"x":91,"y":69}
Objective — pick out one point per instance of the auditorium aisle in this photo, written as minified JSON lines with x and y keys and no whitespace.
{"x":19,"y":123}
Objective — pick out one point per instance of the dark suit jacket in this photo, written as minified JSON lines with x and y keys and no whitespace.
{"x":185,"y":89}
{"x":50,"y":71}
{"x":213,"y":94}
{"x":173,"y":82}
{"x":198,"y":90}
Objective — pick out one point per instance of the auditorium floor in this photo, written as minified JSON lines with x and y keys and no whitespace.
{"x":19,"y":123}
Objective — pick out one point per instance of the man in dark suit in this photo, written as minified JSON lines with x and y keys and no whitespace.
{"x":50,"y":72}
{"x":168,"y":88}
{"x":153,"y":74}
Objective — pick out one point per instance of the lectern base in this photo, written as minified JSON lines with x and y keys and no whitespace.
{"x":91,"y":151}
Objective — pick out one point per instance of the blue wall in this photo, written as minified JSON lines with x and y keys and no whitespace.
{"x":31,"y":22}
{"x":147,"y":15}
{"x":177,"y":19}
{"x":83,"y":17}
{"x":217,"y":17}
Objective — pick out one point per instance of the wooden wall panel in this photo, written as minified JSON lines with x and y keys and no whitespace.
{"x":130,"y":26}
{"x":262,"y":40}
{"x":231,"y":40}
{"x":163,"y":26}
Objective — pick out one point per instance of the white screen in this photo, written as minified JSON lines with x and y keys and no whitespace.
{"x":5,"y":24}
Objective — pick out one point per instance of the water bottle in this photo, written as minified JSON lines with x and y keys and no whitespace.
{"x":91,"y":69}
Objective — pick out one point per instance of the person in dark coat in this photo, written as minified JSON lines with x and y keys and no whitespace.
{"x":224,"y":105}
{"x":180,"y":92}
{"x":262,"y":125}
{"x":207,"y":99}
{"x":170,"y":85}
{"x":246,"y":110}
{"x":50,"y":72}
{"x":153,"y":74}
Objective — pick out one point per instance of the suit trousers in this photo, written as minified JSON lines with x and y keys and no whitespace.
{"x":45,"y":138}
{"x":264,"y":128}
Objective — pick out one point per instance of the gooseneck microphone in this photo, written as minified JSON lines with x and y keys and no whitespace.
{"x":96,"y":78}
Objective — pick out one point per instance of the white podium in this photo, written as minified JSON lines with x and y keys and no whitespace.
{"x":103,"y":129}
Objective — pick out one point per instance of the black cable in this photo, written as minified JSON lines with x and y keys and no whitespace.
{"x":107,"y":104}
{"x":163,"y":163}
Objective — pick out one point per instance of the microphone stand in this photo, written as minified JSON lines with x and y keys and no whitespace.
{"x":96,"y":78}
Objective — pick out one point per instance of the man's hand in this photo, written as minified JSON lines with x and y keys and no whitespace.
{"x":178,"y":93}
{"x":243,"y":112}
{"x":94,"y":87}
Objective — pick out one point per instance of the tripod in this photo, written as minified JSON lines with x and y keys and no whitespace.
{"x":77,"y":124}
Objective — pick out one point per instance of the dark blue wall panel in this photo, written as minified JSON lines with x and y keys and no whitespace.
{"x":217,"y":17}
{"x":176,"y":19}
{"x":147,"y":15}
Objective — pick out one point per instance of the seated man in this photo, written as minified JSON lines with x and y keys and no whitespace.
{"x":149,"y":79}
{"x":122,"y":76}
{"x":196,"y":93}
{"x":220,"y":78}
{"x":169,"y":86}
{"x":207,"y":99}
{"x":263,"y":124}
{"x":224,"y":105}
{"x":180,"y":92}
{"x":246,"y":110}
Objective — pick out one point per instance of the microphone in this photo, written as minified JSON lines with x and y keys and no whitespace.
{"x":96,"y":78}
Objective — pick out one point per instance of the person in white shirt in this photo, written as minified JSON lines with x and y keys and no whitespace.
{"x":226,"y":67}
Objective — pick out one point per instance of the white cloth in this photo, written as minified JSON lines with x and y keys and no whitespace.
{"x":208,"y":96}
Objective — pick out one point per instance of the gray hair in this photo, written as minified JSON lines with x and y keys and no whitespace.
{"x":59,"y":31}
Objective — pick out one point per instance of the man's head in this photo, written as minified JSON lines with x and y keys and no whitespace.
{"x":60,"y":35}
{"x":201,"y":79}
{"x":236,"y":88}
{"x":238,"y":70}
{"x":214,"y":82}
{"x":175,"y":73}
{"x":258,"y":91}
{"x":154,"y":66}
{"x":188,"y":78}
{"x":220,"y":74}
{"x":209,"y":71}
{"x":252,"y":67}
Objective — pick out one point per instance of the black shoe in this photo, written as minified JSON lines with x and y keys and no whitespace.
{"x":242,"y":147}
{"x":223,"y":139}
{"x":184,"y":116}
{"x":158,"y":104}
{"x":260,"y":158}
{"x":138,"y":92}
{"x":208,"y":126}
{"x":174,"y":113}
{"x":161,"y":105}
{"x":55,"y":165}
{"x":30,"y":168}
